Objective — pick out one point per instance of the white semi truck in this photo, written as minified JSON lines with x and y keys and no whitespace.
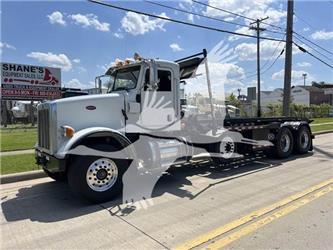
{"x":91,"y":141}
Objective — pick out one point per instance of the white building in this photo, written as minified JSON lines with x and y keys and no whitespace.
{"x":299,"y":95}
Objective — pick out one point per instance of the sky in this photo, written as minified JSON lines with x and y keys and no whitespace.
{"x":84,"y":39}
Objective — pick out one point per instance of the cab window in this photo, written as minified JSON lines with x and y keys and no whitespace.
{"x":164,"y":77}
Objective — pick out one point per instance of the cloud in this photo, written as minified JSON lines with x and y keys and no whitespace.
{"x":76,"y":60}
{"x":53,"y":60}
{"x":175,"y":47}
{"x":75,"y":83}
{"x":81,"y":69}
{"x":118,"y":35}
{"x":253,"y":9}
{"x":304,"y":64}
{"x":306,"y":29}
{"x":6,"y":46}
{"x":90,"y":20}
{"x":136,"y":24}
{"x":322,"y":35}
{"x":190,"y":17}
{"x":248,"y":51}
{"x":296,"y":76}
{"x":57,"y":18}
{"x":243,"y":30}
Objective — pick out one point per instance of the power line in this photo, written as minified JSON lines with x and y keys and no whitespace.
{"x":305,"y":51}
{"x":269,"y":60}
{"x":281,"y":53}
{"x":180,"y":22}
{"x":269,"y":67}
{"x":196,"y":14}
{"x":205,"y":16}
{"x":313,"y":43}
{"x":226,"y":11}
{"x":330,"y":59}
{"x":303,"y":20}
{"x":235,"y":14}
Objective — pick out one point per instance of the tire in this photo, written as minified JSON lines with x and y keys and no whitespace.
{"x":226,"y":147}
{"x":303,"y":140}
{"x":96,"y":178}
{"x":283,"y":143}
{"x":58,"y":176}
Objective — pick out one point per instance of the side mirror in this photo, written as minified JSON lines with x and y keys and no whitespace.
{"x":153,"y":76}
{"x":98,"y":84}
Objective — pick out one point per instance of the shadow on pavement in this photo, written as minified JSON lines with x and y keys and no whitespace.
{"x":53,"y":201}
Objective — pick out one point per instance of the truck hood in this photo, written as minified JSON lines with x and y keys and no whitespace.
{"x":104,"y":110}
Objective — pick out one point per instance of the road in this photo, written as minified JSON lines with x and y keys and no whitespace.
{"x":259,"y":204}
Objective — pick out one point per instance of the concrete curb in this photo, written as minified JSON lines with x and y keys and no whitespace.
{"x":323,"y":132}
{"x":24,"y":176}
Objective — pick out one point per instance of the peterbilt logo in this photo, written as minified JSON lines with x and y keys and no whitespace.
{"x":90,"y":107}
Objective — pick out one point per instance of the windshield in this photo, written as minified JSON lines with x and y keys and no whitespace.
{"x":125,"y":79}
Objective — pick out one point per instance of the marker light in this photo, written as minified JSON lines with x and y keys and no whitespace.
{"x":68,"y":131}
{"x":119,"y":62}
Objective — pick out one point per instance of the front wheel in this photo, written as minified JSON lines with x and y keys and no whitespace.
{"x":95,"y":178}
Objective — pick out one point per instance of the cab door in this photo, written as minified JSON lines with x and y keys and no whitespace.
{"x":158,"y":105}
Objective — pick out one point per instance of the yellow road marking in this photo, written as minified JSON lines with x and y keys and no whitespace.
{"x":268,"y":219}
{"x":250,"y":217}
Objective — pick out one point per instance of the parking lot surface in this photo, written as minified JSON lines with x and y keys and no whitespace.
{"x":190,"y":204}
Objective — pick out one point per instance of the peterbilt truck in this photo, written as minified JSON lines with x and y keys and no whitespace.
{"x":91,"y":141}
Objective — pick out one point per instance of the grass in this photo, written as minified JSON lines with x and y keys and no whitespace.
{"x":17,"y":163}
{"x":18,"y":139}
{"x":319,"y":128}
{"x":322,"y":120}
{"x":18,"y":126}
{"x":322,"y":128}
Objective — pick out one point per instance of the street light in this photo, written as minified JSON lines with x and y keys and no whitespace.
{"x":304,"y":76}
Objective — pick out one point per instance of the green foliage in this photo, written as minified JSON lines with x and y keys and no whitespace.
{"x":17,"y":139}
{"x":18,"y":163}
{"x":299,"y":110}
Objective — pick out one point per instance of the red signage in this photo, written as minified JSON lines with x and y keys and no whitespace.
{"x":27,"y":82}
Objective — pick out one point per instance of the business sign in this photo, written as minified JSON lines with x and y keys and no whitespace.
{"x":28,"y":82}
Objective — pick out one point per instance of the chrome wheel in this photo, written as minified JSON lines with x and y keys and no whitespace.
{"x":102,"y":174}
{"x":285,"y":143}
{"x":227,"y":147}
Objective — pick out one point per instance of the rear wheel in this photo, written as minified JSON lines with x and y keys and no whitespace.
{"x":283,"y":143}
{"x":303,"y":140}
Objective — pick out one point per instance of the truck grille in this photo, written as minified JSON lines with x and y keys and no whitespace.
{"x":44,"y":128}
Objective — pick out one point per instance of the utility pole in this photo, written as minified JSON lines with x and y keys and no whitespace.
{"x":304,"y":75}
{"x":258,"y":29}
{"x":288,"y":60}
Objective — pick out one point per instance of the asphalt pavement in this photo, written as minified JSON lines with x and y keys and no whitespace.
{"x":190,"y":204}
